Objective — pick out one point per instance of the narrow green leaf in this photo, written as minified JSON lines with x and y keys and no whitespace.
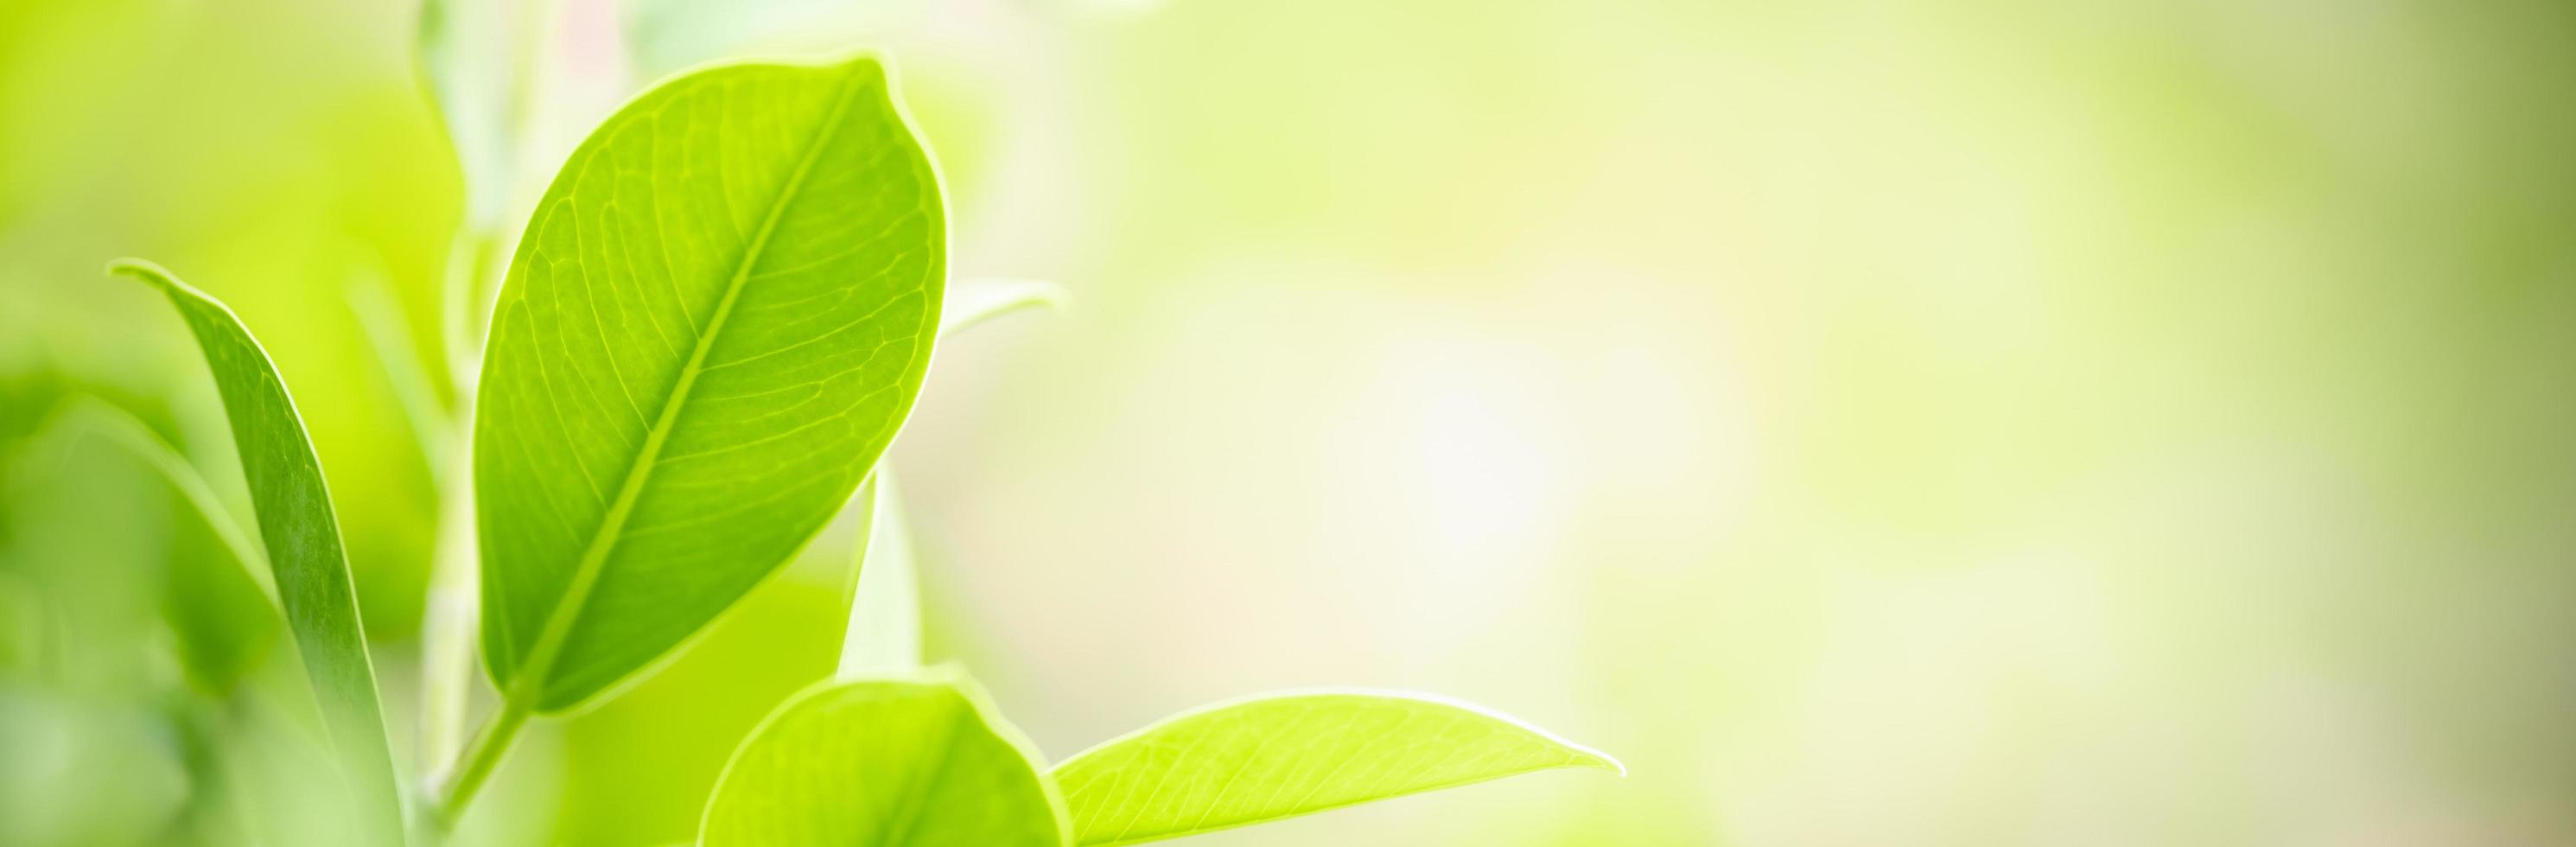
{"x":218,"y":600}
{"x":884,"y":636}
{"x":975,"y":301}
{"x":1266,"y":758}
{"x":718,"y":319}
{"x":303,"y":542}
{"x":886,"y":763}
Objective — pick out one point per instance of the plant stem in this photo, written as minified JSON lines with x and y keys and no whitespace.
{"x":447,"y":633}
{"x":478,"y":260}
{"x":480,"y":760}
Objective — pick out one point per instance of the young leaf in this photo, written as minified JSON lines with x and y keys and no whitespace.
{"x":884,"y":635}
{"x":719,"y":316}
{"x":303,"y":541}
{"x":976,"y":301}
{"x":1279,"y":756}
{"x":885,"y":763}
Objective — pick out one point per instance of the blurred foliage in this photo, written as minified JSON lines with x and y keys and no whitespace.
{"x":1899,"y":422}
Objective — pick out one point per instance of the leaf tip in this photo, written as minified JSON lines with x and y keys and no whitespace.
{"x":142,"y":269}
{"x":1051,"y":295}
{"x":1586,"y":757}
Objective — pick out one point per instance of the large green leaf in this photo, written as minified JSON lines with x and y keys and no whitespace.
{"x":1274,"y":757}
{"x":719,"y":316}
{"x":302,"y":537}
{"x":885,"y":763}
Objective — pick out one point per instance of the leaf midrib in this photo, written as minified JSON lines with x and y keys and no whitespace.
{"x":567,"y":608}
{"x":908,"y":813}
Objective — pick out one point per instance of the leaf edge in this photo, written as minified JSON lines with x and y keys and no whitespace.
{"x":1588,"y":757}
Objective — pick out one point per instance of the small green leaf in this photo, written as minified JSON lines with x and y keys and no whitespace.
{"x":718,"y":319}
{"x":1280,"y":756}
{"x":884,"y":635}
{"x":303,"y":542}
{"x":972,"y":302}
{"x":885,"y":763}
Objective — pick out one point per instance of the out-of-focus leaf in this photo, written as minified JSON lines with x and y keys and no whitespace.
{"x":972,"y":302}
{"x":1280,"y":756}
{"x":79,"y":772}
{"x":469,"y":53}
{"x":302,"y":538}
{"x":388,"y":335}
{"x":718,"y":319}
{"x":215,"y":813}
{"x":667,"y":35}
{"x":218,"y":599}
{"x":222,"y":623}
{"x":885,"y":763}
{"x":884,"y":636}
{"x":84,"y":529}
{"x":477,"y":60}
{"x":22,"y":625}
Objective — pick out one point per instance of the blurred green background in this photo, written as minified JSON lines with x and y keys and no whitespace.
{"x":1879,"y":422}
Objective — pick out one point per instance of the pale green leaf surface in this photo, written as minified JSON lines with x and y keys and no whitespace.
{"x":302,"y":539}
{"x":1279,"y":756}
{"x":885,"y":763}
{"x":975,"y":301}
{"x":718,"y":319}
{"x":884,"y":635}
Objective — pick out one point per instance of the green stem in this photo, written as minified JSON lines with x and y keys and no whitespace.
{"x":447,"y":631}
{"x":480,"y":760}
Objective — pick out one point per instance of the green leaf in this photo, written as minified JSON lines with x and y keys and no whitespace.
{"x":884,"y":635}
{"x":886,"y":763}
{"x":303,"y":541}
{"x":975,"y":301}
{"x":1279,"y":756}
{"x":719,"y":317}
